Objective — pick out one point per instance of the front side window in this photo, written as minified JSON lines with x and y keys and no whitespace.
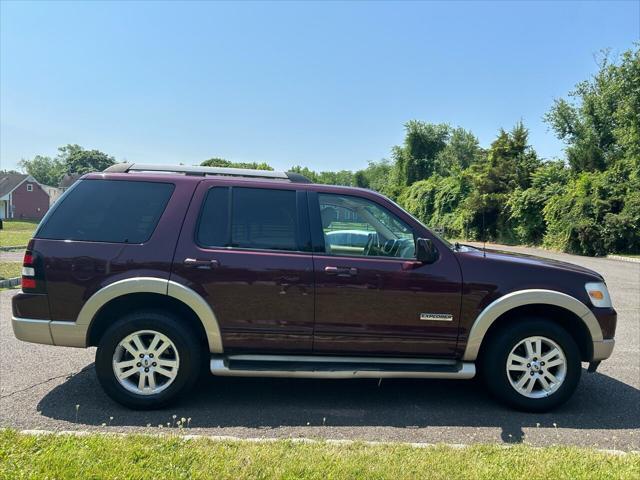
{"x":119,"y":211}
{"x":356,"y":226}
{"x":258,"y":219}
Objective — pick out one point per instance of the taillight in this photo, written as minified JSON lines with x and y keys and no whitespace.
{"x":29,"y":281}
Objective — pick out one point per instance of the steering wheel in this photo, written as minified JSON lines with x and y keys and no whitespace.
{"x":389,"y":247}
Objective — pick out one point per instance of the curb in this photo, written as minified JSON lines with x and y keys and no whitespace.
{"x":10,"y":282}
{"x":622,"y":258}
{"x":18,"y":247}
{"x":230,"y":438}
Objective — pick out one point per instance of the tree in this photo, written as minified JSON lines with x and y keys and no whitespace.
{"x":600,"y":123}
{"x":77,"y":160}
{"x":71,"y":159}
{"x":221,"y":162}
{"x":416,"y":158}
{"x":508,"y":168}
{"x":599,"y":210}
{"x":342,"y":177}
{"x":377,"y":175}
{"x":310,"y":174}
{"x":438,"y":201}
{"x":461,"y":151}
{"x":45,"y":170}
{"x":527,"y":205}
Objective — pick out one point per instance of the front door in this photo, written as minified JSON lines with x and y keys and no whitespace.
{"x":372,"y":296}
{"x":246,"y":250}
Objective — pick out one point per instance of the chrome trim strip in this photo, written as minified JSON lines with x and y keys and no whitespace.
{"x":219,"y":368}
{"x":527,"y":297}
{"x":330,"y":358}
{"x":603,"y":349}
{"x":32,"y":330}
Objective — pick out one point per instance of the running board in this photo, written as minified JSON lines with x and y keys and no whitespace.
{"x":307,"y":366}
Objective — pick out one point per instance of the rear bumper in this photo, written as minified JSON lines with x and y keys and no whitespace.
{"x":602,"y":349}
{"x":31,"y":330}
{"x":64,"y":334}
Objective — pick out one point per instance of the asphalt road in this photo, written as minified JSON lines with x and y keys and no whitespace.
{"x":40,"y":387}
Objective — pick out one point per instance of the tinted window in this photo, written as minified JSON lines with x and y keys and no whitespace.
{"x":260,"y":219}
{"x":108,"y":211}
{"x":356,"y":226}
{"x":214,"y":220}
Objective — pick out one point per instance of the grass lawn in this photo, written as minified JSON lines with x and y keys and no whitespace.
{"x":10,"y":269}
{"x":105,"y":456}
{"x":17,"y":232}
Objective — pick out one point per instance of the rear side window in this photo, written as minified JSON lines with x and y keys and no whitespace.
{"x":108,"y":211}
{"x":258,"y":219}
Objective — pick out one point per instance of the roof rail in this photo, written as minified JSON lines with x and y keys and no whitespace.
{"x":205,"y":171}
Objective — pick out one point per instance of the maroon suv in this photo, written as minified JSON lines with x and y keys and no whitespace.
{"x":256,"y":273}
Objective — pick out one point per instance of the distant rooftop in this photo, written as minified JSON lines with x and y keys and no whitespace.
{"x":9,"y":181}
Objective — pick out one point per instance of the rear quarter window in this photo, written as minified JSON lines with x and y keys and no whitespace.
{"x":118,"y":211}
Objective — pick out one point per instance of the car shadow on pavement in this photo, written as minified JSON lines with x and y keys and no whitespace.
{"x":600,"y":402}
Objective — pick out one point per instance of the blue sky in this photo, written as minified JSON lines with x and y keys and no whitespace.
{"x":326,"y":85}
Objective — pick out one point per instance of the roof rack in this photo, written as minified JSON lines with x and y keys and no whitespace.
{"x":206,"y":171}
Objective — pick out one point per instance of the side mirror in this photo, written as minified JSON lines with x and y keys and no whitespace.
{"x":426,"y":251}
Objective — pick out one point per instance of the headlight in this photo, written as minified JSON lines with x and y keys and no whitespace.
{"x":598,"y":294}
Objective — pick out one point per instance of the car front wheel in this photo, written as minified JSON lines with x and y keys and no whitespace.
{"x":532,"y":365}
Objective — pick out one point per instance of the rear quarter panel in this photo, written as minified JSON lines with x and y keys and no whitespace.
{"x":75,"y":270}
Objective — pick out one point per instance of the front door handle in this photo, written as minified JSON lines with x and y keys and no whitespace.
{"x":341,"y":271}
{"x":201,"y":264}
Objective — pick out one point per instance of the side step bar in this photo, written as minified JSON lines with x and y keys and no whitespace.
{"x":316,"y":366}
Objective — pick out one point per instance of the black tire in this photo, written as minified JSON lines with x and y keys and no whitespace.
{"x":186,"y":342}
{"x":493,"y":363}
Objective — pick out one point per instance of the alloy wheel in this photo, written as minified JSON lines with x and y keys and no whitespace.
{"x":146,"y":362}
{"x":536,"y":367}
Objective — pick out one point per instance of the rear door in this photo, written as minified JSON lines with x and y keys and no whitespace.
{"x":246,"y":249}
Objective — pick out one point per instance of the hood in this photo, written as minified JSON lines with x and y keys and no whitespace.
{"x":530,"y":261}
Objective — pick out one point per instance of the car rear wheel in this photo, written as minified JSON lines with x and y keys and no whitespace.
{"x":148,"y":359}
{"x":532,"y":365}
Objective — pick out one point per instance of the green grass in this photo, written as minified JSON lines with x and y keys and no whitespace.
{"x":17,"y":232}
{"x":10,"y":269}
{"x":133,"y":457}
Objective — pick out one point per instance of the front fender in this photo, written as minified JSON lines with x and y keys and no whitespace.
{"x":527,"y":297}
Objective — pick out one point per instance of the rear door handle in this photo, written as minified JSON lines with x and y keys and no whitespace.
{"x":341,"y":271}
{"x":201,"y":264}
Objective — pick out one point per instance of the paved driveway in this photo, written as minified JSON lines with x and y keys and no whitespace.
{"x":40,"y":387}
